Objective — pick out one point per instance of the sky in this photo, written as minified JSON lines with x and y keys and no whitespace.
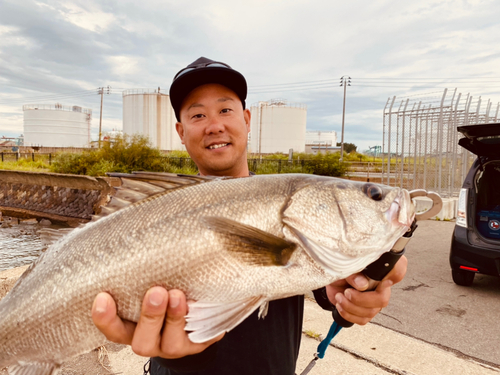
{"x":297,"y":50}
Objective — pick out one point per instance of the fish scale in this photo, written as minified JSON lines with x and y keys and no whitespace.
{"x":231,"y":245}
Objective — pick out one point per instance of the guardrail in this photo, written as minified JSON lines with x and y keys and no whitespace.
{"x":33,"y":156}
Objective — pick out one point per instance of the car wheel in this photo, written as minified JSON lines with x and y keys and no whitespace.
{"x":461,"y":277}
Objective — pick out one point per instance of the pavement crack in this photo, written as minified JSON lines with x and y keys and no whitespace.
{"x":411,"y":288}
{"x":362,"y":356}
{"x":389,"y":316}
{"x":458,"y":353}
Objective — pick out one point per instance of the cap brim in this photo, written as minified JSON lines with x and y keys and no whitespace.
{"x":187,"y":82}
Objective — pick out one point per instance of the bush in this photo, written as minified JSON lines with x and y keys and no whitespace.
{"x":124,"y":154}
{"x":327,"y":165}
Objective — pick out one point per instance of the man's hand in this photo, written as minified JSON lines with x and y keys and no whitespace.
{"x":360,"y":307}
{"x":160,"y":329}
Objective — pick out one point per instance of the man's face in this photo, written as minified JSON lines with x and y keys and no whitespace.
{"x":214,"y":128}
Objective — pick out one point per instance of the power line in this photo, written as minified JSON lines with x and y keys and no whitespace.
{"x":362,"y":82}
{"x":52,"y":97}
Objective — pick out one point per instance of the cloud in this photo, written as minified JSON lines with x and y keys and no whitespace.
{"x":67,"y":49}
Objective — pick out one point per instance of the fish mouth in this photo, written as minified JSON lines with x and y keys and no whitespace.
{"x":401,"y":212}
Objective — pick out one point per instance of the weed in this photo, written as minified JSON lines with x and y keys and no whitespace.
{"x":25,"y":165}
{"x":311,"y":333}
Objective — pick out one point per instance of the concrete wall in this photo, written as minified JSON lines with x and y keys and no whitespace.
{"x":53,"y":196}
{"x":448,"y":212}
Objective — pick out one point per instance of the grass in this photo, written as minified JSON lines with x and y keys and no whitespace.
{"x":25,"y":165}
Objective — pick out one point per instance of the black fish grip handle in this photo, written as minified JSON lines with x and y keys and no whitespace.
{"x":375,"y":271}
{"x":381,"y":268}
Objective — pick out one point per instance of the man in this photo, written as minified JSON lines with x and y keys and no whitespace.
{"x":208,"y":98}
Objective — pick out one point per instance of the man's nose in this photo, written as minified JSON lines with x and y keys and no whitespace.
{"x":215,"y":125}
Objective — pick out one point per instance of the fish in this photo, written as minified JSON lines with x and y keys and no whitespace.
{"x":230,"y":244}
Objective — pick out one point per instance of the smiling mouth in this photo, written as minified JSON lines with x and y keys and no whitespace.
{"x":213,"y":147}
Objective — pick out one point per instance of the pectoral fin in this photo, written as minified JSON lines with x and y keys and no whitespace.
{"x":33,"y":369}
{"x":258,"y":247}
{"x":334,"y":261}
{"x":208,"y":320}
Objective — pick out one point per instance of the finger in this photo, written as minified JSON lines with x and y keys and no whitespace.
{"x":355,"y":313}
{"x":146,"y":341}
{"x":338,"y":286}
{"x":358,"y":281}
{"x":378,"y":298}
{"x":109,"y":323}
{"x":174,"y":343}
{"x":175,"y":340}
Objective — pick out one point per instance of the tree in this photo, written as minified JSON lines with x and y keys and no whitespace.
{"x":348,"y":147}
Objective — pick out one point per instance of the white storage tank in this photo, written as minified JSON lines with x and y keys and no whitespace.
{"x":56,"y":125}
{"x":149,"y":112}
{"x":321,"y":141}
{"x":277,"y":126}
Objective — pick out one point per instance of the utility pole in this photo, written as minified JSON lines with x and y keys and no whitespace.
{"x":101,"y":92}
{"x":344,"y":81}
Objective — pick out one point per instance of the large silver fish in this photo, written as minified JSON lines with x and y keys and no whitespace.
{"x":231,"y":245}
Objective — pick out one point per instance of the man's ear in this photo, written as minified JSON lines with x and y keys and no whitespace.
{"x":180,"y":131}
{"x":247,"y":115}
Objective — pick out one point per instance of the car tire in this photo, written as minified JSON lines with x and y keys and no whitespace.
{"x":462,"y":277}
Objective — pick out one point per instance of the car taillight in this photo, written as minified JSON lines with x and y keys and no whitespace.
{"x":469,"y":268}
{"x":462,"y":209}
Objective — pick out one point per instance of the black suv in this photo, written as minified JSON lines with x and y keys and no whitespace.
{"x":475,"y":246}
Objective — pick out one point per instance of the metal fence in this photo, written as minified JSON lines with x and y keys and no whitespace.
{"x":420,"y":140}
{"x":32,"y":156}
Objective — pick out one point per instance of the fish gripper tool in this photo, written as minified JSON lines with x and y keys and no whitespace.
{"x":379,"y":269}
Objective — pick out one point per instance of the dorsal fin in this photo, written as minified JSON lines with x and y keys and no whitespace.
{"x":137,"y":186}
{"x":48,"y":236}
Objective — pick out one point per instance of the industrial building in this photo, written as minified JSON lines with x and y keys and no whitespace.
{"x":321,"y":141}
{"x":149,"y":112}
{"x":56,"y":125}
{"x":277,"y":126}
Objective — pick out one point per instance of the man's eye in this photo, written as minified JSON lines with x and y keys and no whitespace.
{"x":226,"y":110}
{"x":199,"y":115}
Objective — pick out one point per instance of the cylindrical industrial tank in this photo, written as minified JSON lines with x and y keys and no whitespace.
{"x":277,"y":126}
{"x":56,"y":125}
{"x":149,"y":112}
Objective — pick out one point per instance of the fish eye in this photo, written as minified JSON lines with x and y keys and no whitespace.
{"x":373,"y":191}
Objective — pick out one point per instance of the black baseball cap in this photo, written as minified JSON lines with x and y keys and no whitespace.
{"x":202,"y":72}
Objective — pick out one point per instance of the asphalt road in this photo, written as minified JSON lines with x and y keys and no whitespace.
{"x":429,"y":306}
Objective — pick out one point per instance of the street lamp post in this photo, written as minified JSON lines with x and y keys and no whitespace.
{"x":344,"y":81}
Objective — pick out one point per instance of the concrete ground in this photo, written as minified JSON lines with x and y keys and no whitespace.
{"x":371,"y":349}
{"x":425,"y":305}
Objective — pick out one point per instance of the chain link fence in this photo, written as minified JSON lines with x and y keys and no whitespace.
{"x":420,"y":140}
